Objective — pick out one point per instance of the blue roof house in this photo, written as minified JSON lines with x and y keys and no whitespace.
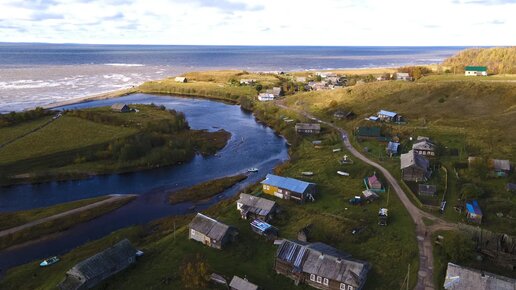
{"x":288,"y":188}
{"x":473,"y":212}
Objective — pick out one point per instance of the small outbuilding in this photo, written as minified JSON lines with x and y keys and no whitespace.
{"x":265,"y":97}
{"x":238,"y":283}
{"x":308,"y":128}
{"x":475,"y":71}
{"x":121,"y":108}
{"x":392,"y":148}
{"x":400,"y":76}
{"x":500,"y":168}
{"x":253,"y":207}
{"x":427,"y":190}
{"x":92,"y":271}
{"x":181,"y":80}
{"x":340,"y":114}
{"x":211,"y":232}
{"x":373,"y":183}
{"x":264,"y":229}
{"x":473,"y":212}
{"x":388,"y":116}
{"x":511,"y":187}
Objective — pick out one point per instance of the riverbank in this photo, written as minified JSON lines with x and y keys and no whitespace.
{"x":53,"y":223}
{"x":204,"y":190}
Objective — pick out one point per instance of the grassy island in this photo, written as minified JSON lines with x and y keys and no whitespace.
{"x":98,"y":140}
{"x":205,"y":190}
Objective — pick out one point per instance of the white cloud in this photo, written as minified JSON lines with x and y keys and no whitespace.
{"x":261,"y":22}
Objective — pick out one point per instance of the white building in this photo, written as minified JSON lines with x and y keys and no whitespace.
{"x":264,"y":97}
{"x":475,"y":71}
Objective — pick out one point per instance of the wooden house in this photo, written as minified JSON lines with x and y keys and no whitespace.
{"x":458,"y":278}
{"x":92,"y":271}
{"x":414,"y":167}
{"x":400,"y":76}
{"x":499,"y":167}
{"x":423,"y":146}
{"x":427,"y":190}
{"x":308,"y":128}
{"x":253,"y":207}
{"x":473,"y":212}
{"x":340,"y":114}
{"x":475,"y":71}
{"x":121,"y":108}
{"x":388,"y":116}
{"x":181,"y":80}
{"x":320,"y":266}
{"x":288,"y":188}
{"x":238,"y":283}
{"x":211,"y":232}
{"x":368,"y":133}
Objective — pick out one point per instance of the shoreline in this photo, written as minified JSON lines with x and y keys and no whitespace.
{"x":96,"y":97}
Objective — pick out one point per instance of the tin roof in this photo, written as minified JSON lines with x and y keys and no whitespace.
{"x":209,"y":227}
{"x":286,"y":183}
{"x":241,"y":284}
{"x":387,"y":113}
{"x":462,"y":278}
{"x":393,"y":146}
{"x":423,"y":144}
{"x":260,"y":225}
{"x":258,"y":205}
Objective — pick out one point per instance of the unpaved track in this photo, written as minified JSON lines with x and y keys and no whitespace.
{"x":423,"y":232}
{"x":113,"y":198}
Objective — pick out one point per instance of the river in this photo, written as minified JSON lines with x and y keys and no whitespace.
{"x":251,"y":145}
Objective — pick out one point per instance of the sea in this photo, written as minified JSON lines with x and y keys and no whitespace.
{"x":37,"y":74}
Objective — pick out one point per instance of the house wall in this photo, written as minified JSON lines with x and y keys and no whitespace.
{"x":413,"y":174}
{"x":475,"y":73}
{"x":424,"y":152}
{"x":308,"y":131}
{"x":285,"y":269}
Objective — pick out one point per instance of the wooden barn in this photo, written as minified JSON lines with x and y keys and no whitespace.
{"x":121,"y":108}
{"x":211,"y":232}
{"x":320,"y":266}
{"x":288,"y":188}
{"x":253,"y":207}
{"x":92,"y":271}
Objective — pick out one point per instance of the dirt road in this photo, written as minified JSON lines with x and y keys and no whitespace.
{"x":423,"y":232}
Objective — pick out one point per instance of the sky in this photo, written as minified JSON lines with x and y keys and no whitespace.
{"x":261,"y":22}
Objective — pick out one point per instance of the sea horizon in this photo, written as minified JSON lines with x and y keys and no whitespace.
{"x":39,"y":74}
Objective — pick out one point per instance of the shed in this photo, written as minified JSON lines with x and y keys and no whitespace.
{"x":370,"y":195}
{"x":392,"y":148}
{"x":373,"y":183}
{"x":388,"y":116}
{"x":511,"y":187}
{"x":473,"y":212}
{"x":308,"y":128}
{"x":211,"y":232}
{"x":401,"y":76}
{"x":288,"y":188}
{"x":95,"y":269}
{"x":340,"y":114}
{"x":122,"y":108}
{"x":264,"y":97}
{"x":264,"y":229}
{"x":462,"y":278}
{"x":475,"y":71}
{"x":253,"y":207}
{"x":427,"y":190}
{"x":181,"y":80}
{"x":500,"y":167}
{"x":238,"y":283}
{"x":275,"y":91}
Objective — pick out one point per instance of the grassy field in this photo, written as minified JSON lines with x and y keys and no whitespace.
{"x":331,"y":216}
{"x":12,"y":132}
{"x":360,"y":72}
{"x":60,"y":224}
{"x":462,"y":77}
{"x":98,"y":140}
{"x":205,"y":190}
{"x":18,"y":218}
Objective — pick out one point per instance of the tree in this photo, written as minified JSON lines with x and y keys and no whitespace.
{"x":458,"y":247}
{"x":195,"y":272}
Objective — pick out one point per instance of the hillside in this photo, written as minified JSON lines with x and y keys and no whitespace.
{"x":499,"y":60}
{"x":477,"y":113}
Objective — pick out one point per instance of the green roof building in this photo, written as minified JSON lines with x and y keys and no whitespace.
{"x":475,"y":71}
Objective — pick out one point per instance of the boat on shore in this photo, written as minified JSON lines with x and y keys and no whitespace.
{"x":307,"y":173}
{"x":342,"y":173}
{"x":336,"y":150}
{"x":49,"y":261}
{"x":254,"y":169}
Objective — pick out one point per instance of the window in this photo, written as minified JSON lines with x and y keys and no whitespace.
{"x":312,"y":277}
{"x":193,"y":232}
{"x":342,"y":286}
{"x":319,"y":279}
{"x":325,"y":281}
{"x":350,"y":287}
